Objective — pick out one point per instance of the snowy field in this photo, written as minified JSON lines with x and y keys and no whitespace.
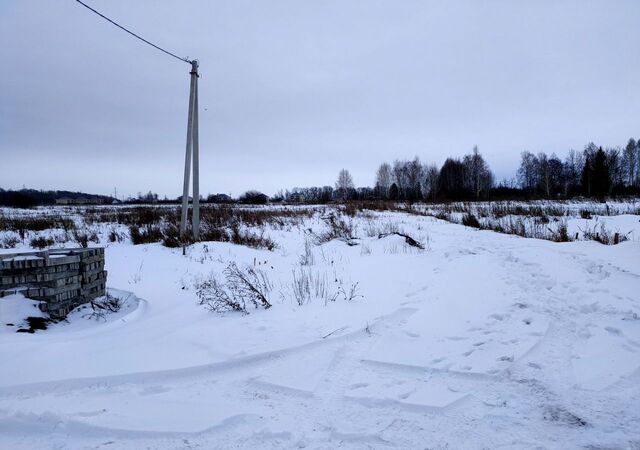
{"x":478,"y":340}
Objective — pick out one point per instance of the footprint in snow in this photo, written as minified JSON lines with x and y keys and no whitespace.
{"x":613,"y":330}
{"x":405,"y":395}
{"x":629,"y":349}
{"x":153,"y":390}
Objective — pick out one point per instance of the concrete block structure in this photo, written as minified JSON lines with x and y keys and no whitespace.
{"x":62,"y":279}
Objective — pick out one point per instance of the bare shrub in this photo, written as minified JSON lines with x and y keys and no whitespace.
{"x":585,"y":214}
{"x":171,"y":237}
{"x":41,"y":242}
{"x":354,"y":208}
{"x":137,"y":215}
{"x":35,"y":223}
{"x":222,"y":216}
{"x":542,"y":220}
{"x":146,"y":235}
{"x":253,"y":198}
{"x":561,"y":234}
{"x":254,"y":240}
{"x":308,"y":284}
{"x":213,"y":233}
{"x":338,"y":229}
{"x":516,"y":226}
{"x":216,"y":297}
{"x":103,"y":306}
{"x":351,"y":293}
{"x":301,"y":286}
{"x":307,"y":258}
{"x":9,"y":241}
{"x":365,"y":250}
{"x":242,"y":287}
{"x":83,"y":237}
{"x":374,"y":229}
{"x":604,"y":236}
{"x":470,"y":220}
{"x":249,"y":284}
{"x":115,"y":236}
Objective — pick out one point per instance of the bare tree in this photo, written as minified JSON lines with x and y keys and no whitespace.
{"x":588,"y":170}
{"x":430,"y":176}
{"x":616,"y":170}
{"x":384,"y":177}
{"x":345,"y":180}
{"x":527,"y":173}
{"x":400,"y":177}
{"x":478,"y":177}
{"x":345,"y":188}
{"x":451,"y":180}
{"x":414,"y":176}
{"x":556,"y":174}
{"x":637,"y":181}
{"x":544,"y":174}
{"x":630,"y":161}
{"x":573,"y":165}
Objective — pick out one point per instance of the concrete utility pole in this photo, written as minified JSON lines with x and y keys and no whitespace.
{"x":192,"y":152}
{"x":192,"y":135}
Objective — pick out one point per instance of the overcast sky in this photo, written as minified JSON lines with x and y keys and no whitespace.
{"x":294,"y":90}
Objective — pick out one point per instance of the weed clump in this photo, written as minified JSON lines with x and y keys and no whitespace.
{"x":470,"y":220}
{"x":146,"y":235}
{"x":604,"y":236}
{"x":41,"y":242}
{"x":9,"y":241}
{"x":585,"y":214}
{"x":242,"y":287}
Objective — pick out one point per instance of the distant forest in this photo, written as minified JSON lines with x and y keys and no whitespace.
{"x":593,"y":172}
{"x":27,"y":198}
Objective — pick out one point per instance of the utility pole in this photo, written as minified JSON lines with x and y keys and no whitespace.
{"x":192,"y":156}
{"x":192,"y":152}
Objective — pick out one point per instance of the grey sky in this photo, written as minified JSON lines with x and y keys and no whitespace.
{"x":292,"y":91}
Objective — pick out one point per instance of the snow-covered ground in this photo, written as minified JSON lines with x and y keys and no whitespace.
{"x":582,"y":219}
{"x":481,"y":340}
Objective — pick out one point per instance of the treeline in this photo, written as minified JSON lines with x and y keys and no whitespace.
{"x":27,"y":198}
{"x":593,"y":172}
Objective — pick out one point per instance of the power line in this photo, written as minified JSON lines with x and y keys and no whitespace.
{"x":133,"y":34}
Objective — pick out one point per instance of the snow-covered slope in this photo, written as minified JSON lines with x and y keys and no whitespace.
{"x":482,"y":340}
